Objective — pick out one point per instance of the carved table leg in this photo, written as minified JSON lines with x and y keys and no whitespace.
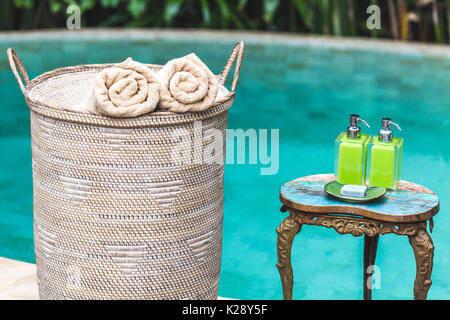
{"x":286,"y":233}
{"x":423,"y":250}
{"x":370,"y":253}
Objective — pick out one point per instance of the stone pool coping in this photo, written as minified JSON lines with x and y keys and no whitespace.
{"x":18,"y":280}
{"x":257,"y":37}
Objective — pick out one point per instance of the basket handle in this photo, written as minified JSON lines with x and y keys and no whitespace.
{"x":14,"y":63}
{"x":236,"y":55}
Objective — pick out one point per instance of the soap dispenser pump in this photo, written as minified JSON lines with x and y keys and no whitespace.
{"x":351,"y":153}
{"x":385,"y":157}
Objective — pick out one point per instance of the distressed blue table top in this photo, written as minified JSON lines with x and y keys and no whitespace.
{"x":409,"y":203}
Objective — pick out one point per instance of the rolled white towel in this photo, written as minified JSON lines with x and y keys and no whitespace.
{"x":187,"y":85}
{"x":128,"y":89}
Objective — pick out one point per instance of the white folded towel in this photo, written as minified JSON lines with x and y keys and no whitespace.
{"x":128,"y":89}
{"x":187,"y":85}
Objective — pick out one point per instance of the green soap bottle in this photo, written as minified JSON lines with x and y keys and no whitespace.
{"x":385,"y":157}
{"x":351,"y":154}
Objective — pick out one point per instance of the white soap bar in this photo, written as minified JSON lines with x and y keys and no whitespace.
{"x":352,"y":190}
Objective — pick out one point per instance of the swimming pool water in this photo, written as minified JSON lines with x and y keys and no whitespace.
{"x":307,"y":92}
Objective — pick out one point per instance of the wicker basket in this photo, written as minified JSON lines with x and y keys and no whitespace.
{"x":114,"y":217}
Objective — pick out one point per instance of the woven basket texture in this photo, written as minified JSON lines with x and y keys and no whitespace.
{"x":114,"y":216}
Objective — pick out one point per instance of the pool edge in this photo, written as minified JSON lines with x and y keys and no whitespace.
{"x":18,"y":280}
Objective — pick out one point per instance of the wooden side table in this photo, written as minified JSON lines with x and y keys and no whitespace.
{"x":402,"y":212}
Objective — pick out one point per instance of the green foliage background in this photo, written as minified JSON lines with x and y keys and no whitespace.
{"x":334,"y":17}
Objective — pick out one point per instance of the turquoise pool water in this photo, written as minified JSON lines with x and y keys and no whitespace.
{"x":307,"y":92}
